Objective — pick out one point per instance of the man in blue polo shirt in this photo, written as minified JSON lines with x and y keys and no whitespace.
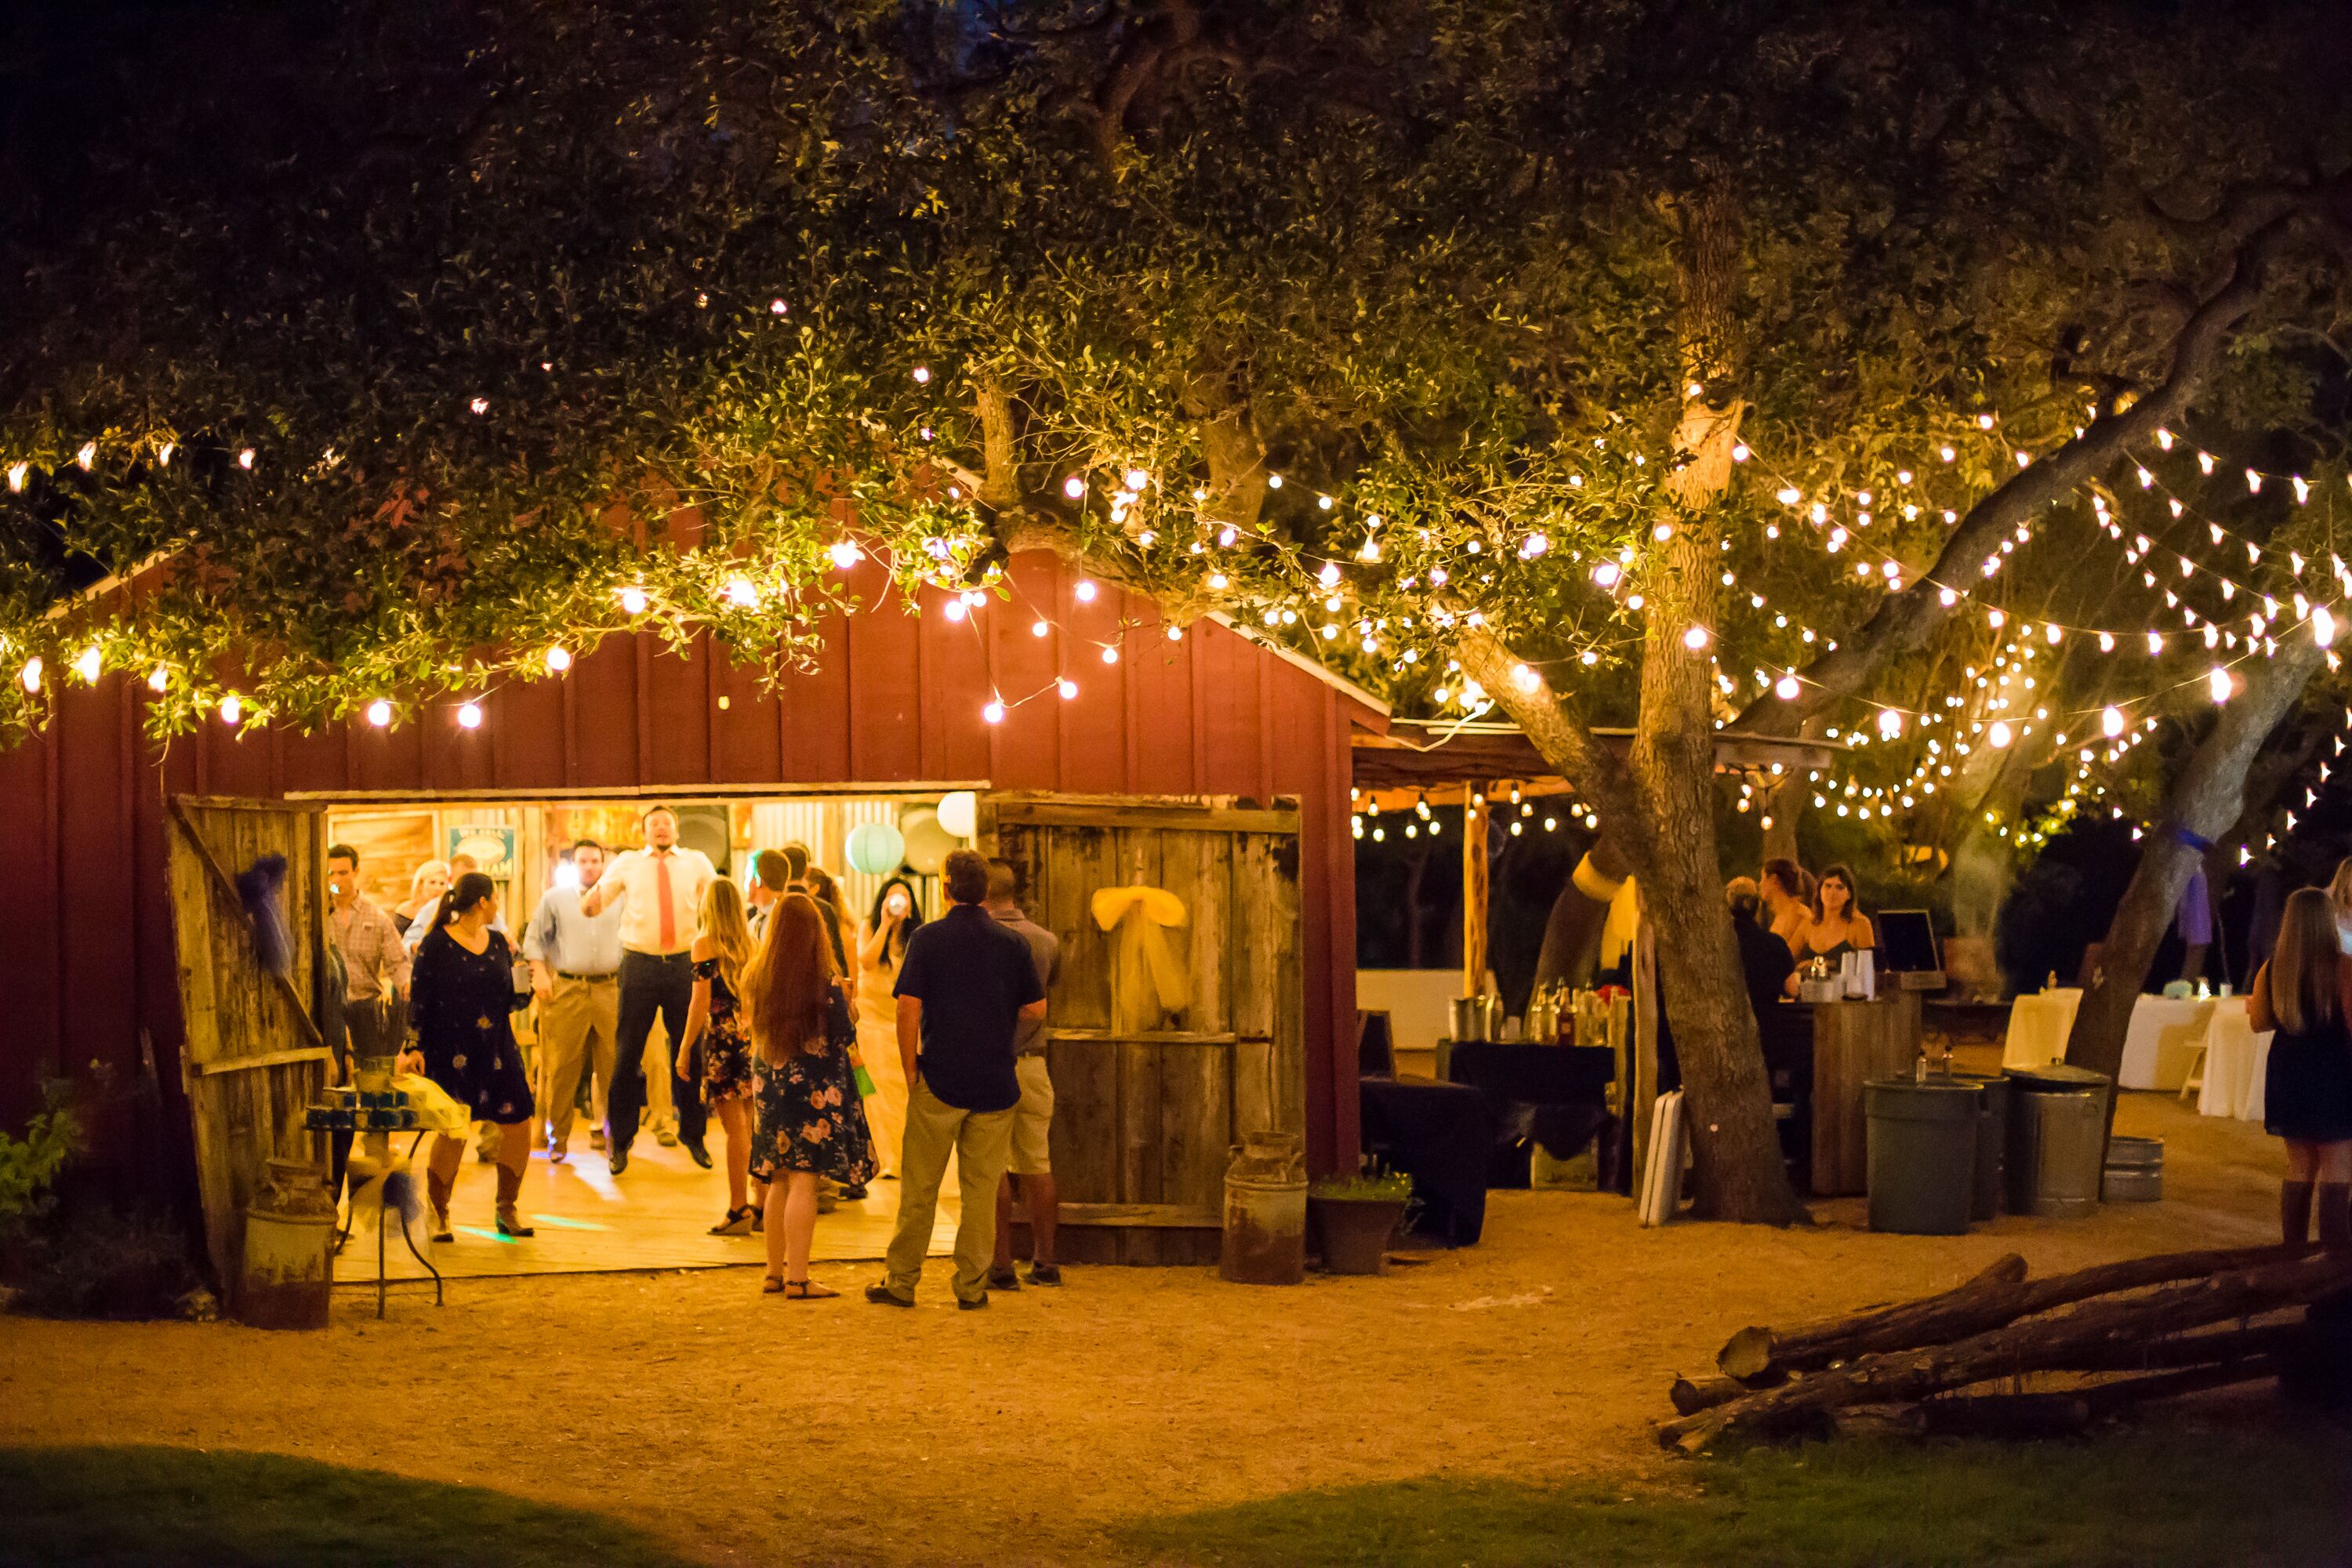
{"x":966,"y":984}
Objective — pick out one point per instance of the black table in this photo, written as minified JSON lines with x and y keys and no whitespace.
{"x":1440,"y":1134}
{"x":1557,"y":1095}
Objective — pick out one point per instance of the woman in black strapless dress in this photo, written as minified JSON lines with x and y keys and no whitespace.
{"x":461,"y":999}
{"x":2305,"y":996}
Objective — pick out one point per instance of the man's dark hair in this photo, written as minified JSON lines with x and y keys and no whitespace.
{"x":1784,"y":873}
{"x":1743,"y":904}
{"x":1003,"y":883}
{"x":659,"y":806}
{"x":966,"y":875}
{"x":774,"y":872}
{"x":580,"y":844}
{"x":796,"y":860}
{"x":346,"y":852}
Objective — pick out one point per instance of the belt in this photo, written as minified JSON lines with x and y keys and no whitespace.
{"x":591,"y":979}
{"x":628,"y":952}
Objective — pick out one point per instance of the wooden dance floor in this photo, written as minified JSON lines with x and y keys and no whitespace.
{"x":655,"y":1216}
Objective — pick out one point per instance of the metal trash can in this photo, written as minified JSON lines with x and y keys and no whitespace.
{"x":1922,"y":1155}
{"x":1992,"y":1141}
{"x":2135,"y":1173}
{"x":2057,"y":1141}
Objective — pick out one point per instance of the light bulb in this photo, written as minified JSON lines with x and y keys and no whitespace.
{"x":158,"y":678}
{"x":1068,"y":689}
{"x":2111,"y":722}
{"x":633,"y":601}
{"x":1998,"y":734}
{"x":1694,"y":638}
{"x":1074,"y":487}
{"x":31,"y":675}
{"x":1085,"y":591}
{"x":559,"y":659}
{"x":993,"y":712}
{"x":2323,"y":626}
{"x":379,"y":713}
{"x":470,"y":716}
{"x":2217,"y":683}
{"x":845,"y":555}
{"x":89,"y":664}
{"x":922,"y":375}
{"x":1038,"y":628}
{"x":231,"y":709}
{"x":1786,"y":689}
{"x":743,"y":594}
{"x":1110,"y":656}
{"x":956,"y":609}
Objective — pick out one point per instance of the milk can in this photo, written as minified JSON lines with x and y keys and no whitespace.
{"x":289,"y":1271}
{"x":1266,"y":1211}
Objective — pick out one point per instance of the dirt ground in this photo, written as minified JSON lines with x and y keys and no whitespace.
{"x":747,"y":1429}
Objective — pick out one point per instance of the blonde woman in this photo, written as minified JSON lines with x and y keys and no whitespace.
{"x":426,"y":886}
{"x":722,"y":948}
{"x":811,"y":1123}
{"x":2307,"y":1085}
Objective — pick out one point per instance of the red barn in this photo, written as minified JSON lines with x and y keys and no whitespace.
{"x":1208,"y":762}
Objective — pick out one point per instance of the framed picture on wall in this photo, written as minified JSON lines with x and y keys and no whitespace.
{"x":492,"y":848}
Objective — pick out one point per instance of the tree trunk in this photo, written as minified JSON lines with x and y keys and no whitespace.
{"x":2204,"y":804}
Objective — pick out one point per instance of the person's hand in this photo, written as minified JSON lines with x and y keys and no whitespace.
{"x":409,"y":1060}
{"x":541,"y":986}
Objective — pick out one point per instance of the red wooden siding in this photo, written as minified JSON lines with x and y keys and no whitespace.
{"x":894,"y":699}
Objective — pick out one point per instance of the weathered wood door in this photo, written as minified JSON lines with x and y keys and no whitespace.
{"x":1144,"y":1124}
{"x":253,"y":1057}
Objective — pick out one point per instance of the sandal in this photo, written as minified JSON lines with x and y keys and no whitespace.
{"x":736,"y":1223}
{"x":772,"y":1286}
{"x":807,"y":1291}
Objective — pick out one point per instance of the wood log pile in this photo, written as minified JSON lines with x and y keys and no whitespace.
{"x":2004,"y":1354}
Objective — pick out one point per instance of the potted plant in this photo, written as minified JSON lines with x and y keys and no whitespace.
{"x":1355,"y":1217}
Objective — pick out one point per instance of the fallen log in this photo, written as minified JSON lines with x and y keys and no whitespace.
{"x":1691,"y":1395}
{"x":2106,"y":1398}
{"x":1998,"y":1296}
{"x":2090,"y":1330}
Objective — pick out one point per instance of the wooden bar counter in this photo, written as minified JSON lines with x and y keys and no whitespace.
{"x":1854,"y":1042}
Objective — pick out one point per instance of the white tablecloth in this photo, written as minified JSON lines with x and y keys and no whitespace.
{"x":2039,"y":1023}
{"x":2162,"y":1041}
{"x":2237,"y":1060}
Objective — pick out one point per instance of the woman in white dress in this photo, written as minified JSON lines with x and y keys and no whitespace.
{"x":883,"y":945}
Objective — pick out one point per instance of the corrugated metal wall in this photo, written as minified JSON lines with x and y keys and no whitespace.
{"x":85,"y":945}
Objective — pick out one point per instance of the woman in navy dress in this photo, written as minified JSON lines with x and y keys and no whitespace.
{"x":461,"y":998}
{"x":714,"y":1025}
{"x":811,"y":1121}
{"x":2304,"y":994}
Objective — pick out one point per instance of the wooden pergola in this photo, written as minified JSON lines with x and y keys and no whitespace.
{"x":1468,"y":764}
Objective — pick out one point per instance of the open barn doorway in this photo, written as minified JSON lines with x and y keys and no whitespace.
{"x":660,"y":1212}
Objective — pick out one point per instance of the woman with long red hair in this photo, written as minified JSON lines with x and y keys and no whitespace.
{"x":2304,"y":994}
{"x":811,"y":1123}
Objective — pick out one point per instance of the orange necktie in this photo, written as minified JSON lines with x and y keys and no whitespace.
{"x":661,"y":894}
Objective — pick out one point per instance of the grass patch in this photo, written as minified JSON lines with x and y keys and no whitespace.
{"x":2130,"y":1498}
{"x":119,"y":1505}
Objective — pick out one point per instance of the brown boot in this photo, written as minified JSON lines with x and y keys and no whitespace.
{"x":2334,"y":1201}
{"x":509,"y":1189}
{"x":438,"y":1191}
{"x":2294,"y":1214}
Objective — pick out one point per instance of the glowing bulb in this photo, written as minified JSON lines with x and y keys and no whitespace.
{"x":1947,"y":597}
{"x":89,"y":664}
{"x":1789,"y":496}
{"x":1525,"y":678}
{"x":1068,"y":689}
{"x":1273,"y":481}
{"x":1038,"y":628}
{"x":1739,"y":453}
{"x":1694,"y":638}
{"x":2323,"y":626}
{"x":17,"y":472}
{"x":633,"y":601}
{"x":741,"y":593}
{"x":379,"y":713}
{"x":1085,"y":591}
{"x":922,"y":375}
{"x":1890,"y":724}
{"x":31,"y":674}
{"x":88,"y":454}
{"x":956,"y":609}
{"x":245,"y":458}
{"x":2111,"y":722}
{"x":158,"y":678}
{"x":1074,"y":487}
{"x":845,"y":555}
{"x":1786,"y":689}
{"x":993,"y":712}
{"x":1110,"y":656}
{"x":232,"y":709}
{"x":2217,"y":683}
{"x":470,"y":716}
{"x":1998,"y":734}
{"x":559,"y":659}
{"x":1607,"y":574}
{"x":479,"y":406}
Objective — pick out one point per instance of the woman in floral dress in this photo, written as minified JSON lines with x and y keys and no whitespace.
{"x":811,"y":1121}
{"x":461,"y":995}
{"x":722,"y":946}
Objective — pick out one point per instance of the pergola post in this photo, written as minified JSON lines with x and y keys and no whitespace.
{"x":1473,"y":888}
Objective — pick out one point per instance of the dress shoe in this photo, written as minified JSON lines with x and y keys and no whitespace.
{"x":665,"y":1137}
{"x":596,"y":1138}
{"x":972,"y":1303}
{"x":883,"y":1295}
{"x":557,"y":1155}
{"x":619,"y":1161}
{"x":701,"y":1155}
{"x":1044,"y":1274}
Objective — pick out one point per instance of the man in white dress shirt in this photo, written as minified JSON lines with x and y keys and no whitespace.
{"x":658,"y":890}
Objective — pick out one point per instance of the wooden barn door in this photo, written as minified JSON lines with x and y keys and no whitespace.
{"x":253,"y":1056}
{"x":1144,"y":1124}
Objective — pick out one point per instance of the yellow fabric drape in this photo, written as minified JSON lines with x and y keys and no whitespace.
{"x":1149,"y":977}
{"x":1617,"y":928}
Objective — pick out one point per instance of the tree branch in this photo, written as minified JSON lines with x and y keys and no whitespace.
{"x":1905,"y":620}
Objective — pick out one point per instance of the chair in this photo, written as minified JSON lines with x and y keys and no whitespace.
{"x":2194,"y":1083}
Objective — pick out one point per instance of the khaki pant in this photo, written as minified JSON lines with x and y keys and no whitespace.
{"x":577,"y":1027}
{"x":1032,"y":1119}
{"x":981,"y":1142}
